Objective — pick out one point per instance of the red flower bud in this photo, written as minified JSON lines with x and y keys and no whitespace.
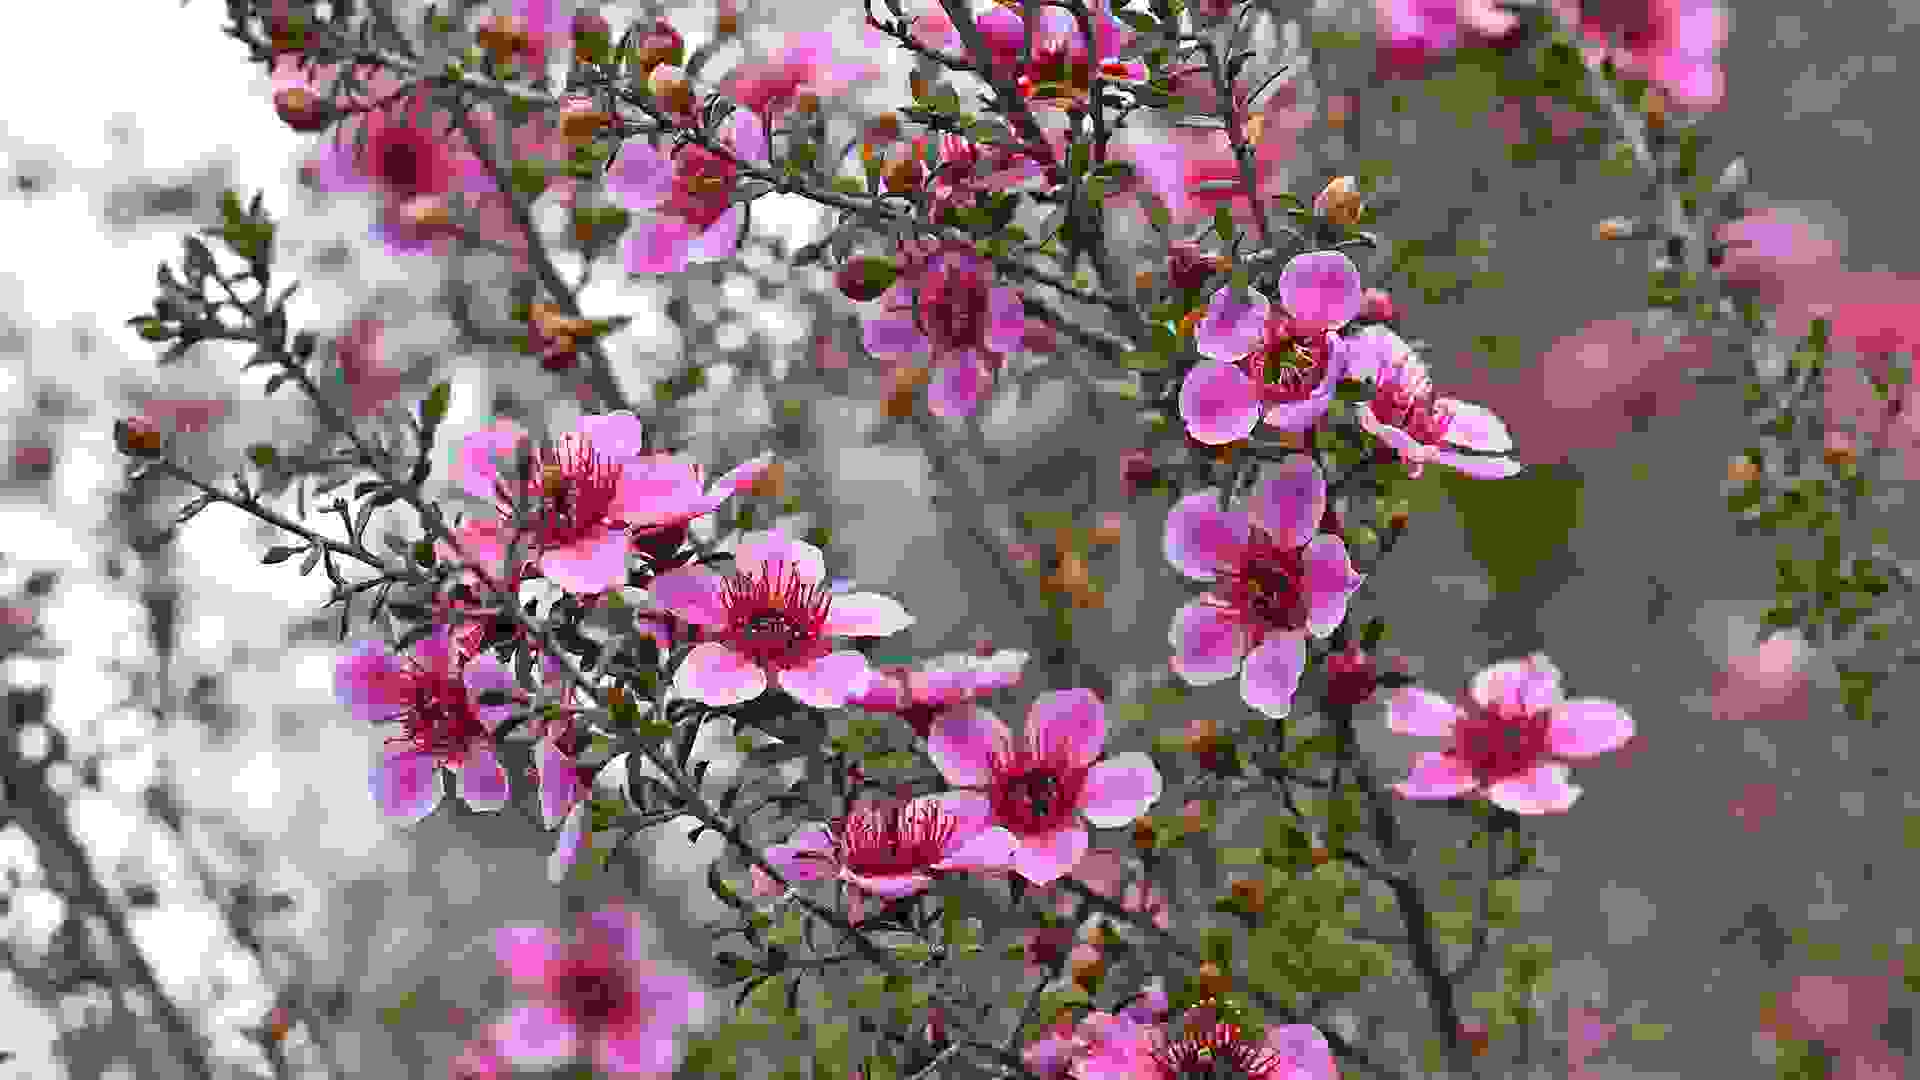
{"x":1136,"y":470}
{"x":301,"y":109}
{"x":1351,"y":677}
{"x":137,"y":436}
{"x":1375,"y":304}
{"x":1330,"y":522}
{"x":865,"y":277}
{"x":1188,"y":267}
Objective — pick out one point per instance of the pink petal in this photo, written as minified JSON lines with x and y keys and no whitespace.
{"x":1321,"y":287}
{"x":719,"y":240}
{"x":1362,"y":356}
{"x":485,"y":455}
{"x":1475,"y":427}
{"x":971,"y":811}
{"x":1207,"y":643}
{"x":718,"y":676}
{"x":747,"y":136}
{"x":560,"y":786}
{"x":526,"y":953}
{"x":641,"y":177}
{"x":1045,"y":858}
{"x":644,"y":1051}
{"x":888,"y":886}
{"x":480,"y":781}
{"x":1218,"y":403}
{"x":741,"y":476}
{"x":1532,"y":683}
{"x":1543,"y":790}
{"x":566,"y":851}
{"x":1480,"y":468}
{"x":991,"y":848}
{"x":1120,"y":789}
{"x":1436,"y":776}
{"x":657,"y":245}
{"x":1414,"y":711}
{"x":693,"y":593}
{"x":1331,"y":582}
{"x":621,"y":928}
{"x":827,"y":682}
{"x":957,"y":387}
{"x":806,"y":856}
{"x":1233,"y":325}
{"x":759,"y":550}
{"x":616,"y":435}
{"x":1272,"y":673}
{"x":1200,"y":537}
{"x":589,"y":566}
{"x":1072,"y":723}
{"x":369,"y":681}
{"x":1290,"y":500}
{"x":1585,"y":727}
{"x":865,"y":614}
{"x":1304,"y":1051}
{"x":406,"y":785}
{"x":962,"y":743}
{"x":892,"y":335}
{"x":1007,"y":328}
{"x":539,"y":1036}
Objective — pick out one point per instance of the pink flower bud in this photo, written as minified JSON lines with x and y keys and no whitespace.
{"x":865,"y":277}
{"x":1351,"y":677}
{"x":660,"y":45}
{"x":1340,"y":202}
{"x":669,"y":86}
{"x":301,"y":109}
{"x":1188,"y":267}
{"x":1377,"y":306}
{"x":1136,"y":470}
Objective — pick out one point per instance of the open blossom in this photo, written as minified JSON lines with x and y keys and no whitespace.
{"x":1150,"y":1052}
{"x":948,"y":306}
{"x":437,"y":701}
{"x":666,"y":494}
{"x":593,"y":996}
{"x":1406,"y":414}
{"x":893,"y":849}
{"x":1846,"y":1014}
{"x":1291,"y":362}
{"x":773,"y":622}
{"x":1412,"y":31}
{"x":1194,"y":173}
{"x":919,"y":693}
{"x":1675,"y":44}
{"x":1277,"y":580}
{"x":690,"y":194}
{"x":806,"y":65}
{"x":1040,"y":787}
{"x":1509,"y":732}
{"x":578,"y":492}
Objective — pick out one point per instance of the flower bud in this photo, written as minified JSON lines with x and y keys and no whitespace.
{"x":425,"y":213}
{"x":1136,"y":470}
{"x":1742,"y":470}
{"x":1143,"y":834}
{"x":903,"y":390}
{"x":1351,"y":677}
{"x":1474,"y":1034}
{"x":301,"y":109}
{"x":903,"y":173}
{"x":137,"y":436}
{"x":1655,"y":106}
{"x":669,"y":86}
{"x":1330,"y":521}
{"x":1839,"y":450}
{"x":504,"y":37}
{"x":1213,"y":980}
{"x":1613,"y":228}
{"x":1320,"y":856}
{"x":884,"y":128}
{"x":1088,"y":966}
{"x":1191,"y":320}
{"x":936,"y":1025}
{"x":772,"y":481}
{"x":1188,"y":267}
{"x":1340,"y":201}
{"x":580,"y":120}
{"x":865,"y":277}
{"x":1039,"y":337}
{"x":807,"y":101}
{"x":1108,"y":532}
{"x":982,"y":644}
{"x":660,"y":45}
{"x":1250,"y":895}
{"x":592,"y":34}
{"x":727,"y":22}
{"x":1339,"y":107}
{"x":1377,"y":305}
{"x":1397,"y":521}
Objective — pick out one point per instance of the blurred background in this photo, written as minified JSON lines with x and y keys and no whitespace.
{"x":182,"y":785}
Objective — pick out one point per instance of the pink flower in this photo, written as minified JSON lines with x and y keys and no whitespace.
{"x":480,"y":1059}
{"x":1142,"y":1052}
{"x":1292,"y":363}
{"x":1411,"y":31}
{"x":1673,"y":43}
{"x":359,"y":353}
{"x":1768,"y":683}
{"x":892,"y":850}
{"x":1041,"y":787}
{"x":580,"y":491}
{"x":1060,"y":75}
{"x":1278,"y":580}
{"x":694,"y":217}
{"x":447,"y":727}
{"x":1506,"y":731}
{"x":1845,"y":1014}
{"x":1585,"y":1035}
{"x":947,"y":305}
{"x":809,"y":63}
{"x":918,"y":694}
{"x":1406,"y":415}
{"x":1776,"y":247}
{"x":666,"y":495}
{"x":185,"y":415}
{"x":1195,"y":172}
{"x":592,"y":996}
{"x":774,"y":621}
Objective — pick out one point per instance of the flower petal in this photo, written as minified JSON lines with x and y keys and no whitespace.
{"x":1543,"y":790}
{"x":560,"y":786}
{"x":1331,"y":582}
{"x":758,"y":551}
{"x":641,"y":177}
{"x":1218,"y":403}
{"x":657,"y":245}
{"x":1046,"y":857}
{"x":566,"y":850}
{"x":1233,"y":325}
{"x":526,"y":953}
{"x":1436,"y":776}
{"x":718,"y":676}
{"x":480,"y":781}
{"x":1007,"y":326}
{"x":1070,"y":724}
{"x":1303,"y":1050}
{"x":1585,"y":727}
{"x":989,"y":849}
{"x":1291,"y":499}
{"x":406,"y":785}
{"x":1120,"y":789}
{"x":1532,"y":683}
{"x":371,"y":682}
{"x":719,"y":240}
{"x":1475,"y":427}
{"x":1321,"y":287}
{"x":1480,"y":468}
{"x":588,"y":566}
{"x":1200,"y":537}
{"x":487,"y":457}
{"x":962,"y":744}
{"x":865,"y":614}
{"x":1208,"y":643}
{"x":957,"y":386}
{"x":1416,"y":711}
{"x":539,"y":1036}
{"x":808,"y":855}
{"x":615,"y":435}
{"x":1272,"y":673}
{"x":827,"y":682}
{"x":693,"y":593}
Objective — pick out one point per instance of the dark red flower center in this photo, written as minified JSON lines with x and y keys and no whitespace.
{"x":702,"y":186}
{"x":1285,"y":368}
{"x":953,"y":307}
{"x":1266,"y":586}
{"x":1035,"y":793}
{"x":1220,"y":1053}
{"x":1411,"y":407}
{"x":896,"y":838}
{"x":442,"y":719}
{"x":572,"y":492}
{"x":776,"y":618}
{"x":1500,"y":741}
{"x":591,"y":990}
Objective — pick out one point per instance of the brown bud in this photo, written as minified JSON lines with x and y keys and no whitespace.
{"x":1655,"y":106}
{"x":616,"y":696}
{"x":1320,"y":856}
{"x":1191,"y":320}
{"x":903,"y":173}
{"x":726,"y":24}
{"x":591,"y":34}
{"x":138,"y":436}
{"x":1251,"y":895}
{"x":1397,"y":521}
{"x":1088,"y":966}
{"x":807,"y":101}
{"x":1214,"y":981}
{"x":1142,"y":834}
{"x":1839,"y":450}
{"x":301,"y":109}
{"x":1742,"y":470}
{"x":669,"y":86}
{"x":1143,"y":280}
{"x":1340,"y":201}
{"x":772,"y":481}
{"x":580,"y":121}
{"x":884,"y":128}
{"x":504,"y":37}
{"x":1613,"y":228}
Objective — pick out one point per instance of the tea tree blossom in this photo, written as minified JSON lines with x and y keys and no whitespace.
{"x":918,"y":694}
{"x":577,"y":491}
{"x":893,"y":849}
{"x":1277,"y":580}
{"x":1510,"y":733}
{"x":446,"y":727}
{"x":948,"y":306}
{"x":1675,"y":44}
{"x":1283,"y":1052}
{"x":1292,"y":364}
{"x":1045,"y":788}
{"x":806,"y":67}
{"x":592,"y":997}
{"x":1411,"y":420}
{"x":773,"y":621}
{"x":690,"y":195}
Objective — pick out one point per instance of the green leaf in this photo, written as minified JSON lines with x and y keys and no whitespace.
{"x":1144,"y":360}
{"x":434,"y":409}
{"x":1223,"y":225}
{"x":1516,"y":524}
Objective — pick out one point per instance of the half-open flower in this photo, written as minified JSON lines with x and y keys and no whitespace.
{"x":892,"y":850}
{"x":1407,"y":415}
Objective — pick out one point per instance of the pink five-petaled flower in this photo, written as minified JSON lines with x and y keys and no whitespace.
{"x":1673,"y":43}
{"x":1407,"y":416}
{"x":691,"y":195}
{"x":578,"y":491}
{"x":1195,"y":173}
{"x":1278,"y":580}
{"x":958,"y":316}
{"x":1506,"y":731}
{"x":1411,"y":31}
{"x":1041,"y":786}
{"x":1291,"y":384}
{"x":807,"y":64}
{"x":773,"y":621}
{"x":892,"y":849}
{"x":1284,"y":1052}
{"x":446,"y":725}
{"x":918,"y":694}
{"x":592,"y":996}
